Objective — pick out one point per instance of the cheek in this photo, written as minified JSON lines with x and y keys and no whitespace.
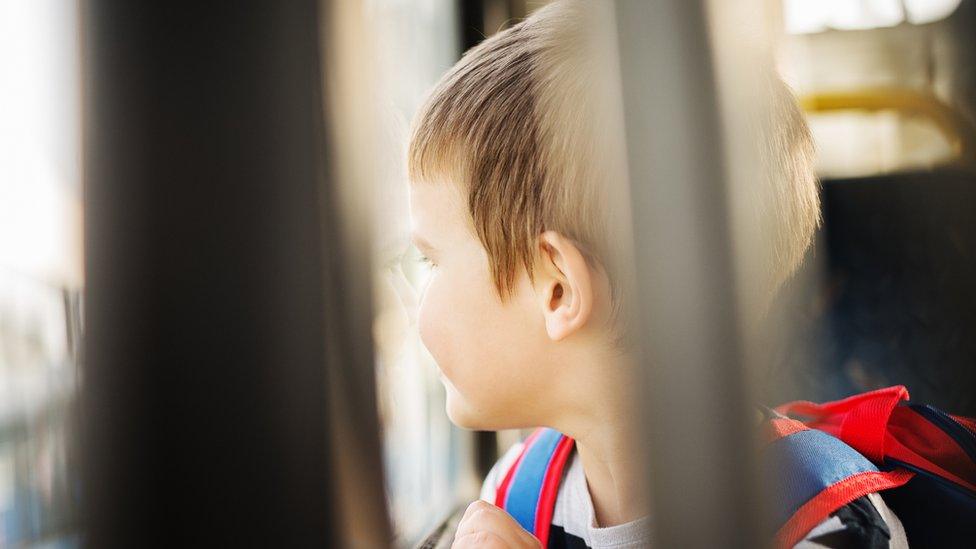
{"x":429,"y":318}
{"x":442,"y":310}
{"x":451,"y":311}
{"x":481,"y":346}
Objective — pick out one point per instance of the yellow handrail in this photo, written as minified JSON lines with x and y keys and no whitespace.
{"x":960,"y":135}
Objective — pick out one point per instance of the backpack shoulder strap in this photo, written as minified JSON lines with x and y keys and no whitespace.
{"x":938,"y":506}
{"x":882,"y":427}
{"x":812,"y":474}
{"x":528,"y":491}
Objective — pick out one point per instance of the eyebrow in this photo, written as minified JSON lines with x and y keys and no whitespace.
{"x":421,"y":243}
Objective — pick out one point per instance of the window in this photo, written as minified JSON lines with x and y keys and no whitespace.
{"x":880,"y":83}
{"x":427,"y":470}
{"x":40,"y":271}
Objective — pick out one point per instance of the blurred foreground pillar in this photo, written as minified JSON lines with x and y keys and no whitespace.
{"x":213,"y":259}
{"x":697,"y":405}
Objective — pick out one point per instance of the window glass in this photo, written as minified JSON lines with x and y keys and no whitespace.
{"x":883,"y":92}
{"x":40,"y":271}
{"x":427,"y":459}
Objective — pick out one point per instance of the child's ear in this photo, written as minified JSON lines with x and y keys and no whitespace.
{"x":563,"y":285}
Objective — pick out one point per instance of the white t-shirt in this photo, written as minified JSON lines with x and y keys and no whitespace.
{"x":867,"y":522}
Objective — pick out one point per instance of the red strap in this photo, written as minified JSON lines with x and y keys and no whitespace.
{"x":860,"y":420}
{"x":836,"y":496}
{"x":550,"y":489}
{"x":550,"y":483}
{"x":779,"y":427}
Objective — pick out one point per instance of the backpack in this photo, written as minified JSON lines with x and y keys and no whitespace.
{"x":922,"y":458}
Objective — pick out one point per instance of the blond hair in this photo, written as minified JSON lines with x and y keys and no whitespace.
{"x":517,"y":123}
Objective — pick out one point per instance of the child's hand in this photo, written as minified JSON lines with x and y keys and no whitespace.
{"x":484,"y":525}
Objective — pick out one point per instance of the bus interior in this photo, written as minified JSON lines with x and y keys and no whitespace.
{"x":204,"y":250}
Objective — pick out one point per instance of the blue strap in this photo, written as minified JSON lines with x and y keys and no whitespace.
{"x":801,"y":465}
{"x":526,"y":485}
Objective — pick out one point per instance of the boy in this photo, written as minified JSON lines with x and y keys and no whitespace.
{"x":512,"y":163}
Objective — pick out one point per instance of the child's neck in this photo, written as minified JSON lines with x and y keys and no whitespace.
{"x":608,"y":447}
{"x":615,"y":482}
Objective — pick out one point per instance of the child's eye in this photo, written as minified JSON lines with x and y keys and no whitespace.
{"x":425,"y":259}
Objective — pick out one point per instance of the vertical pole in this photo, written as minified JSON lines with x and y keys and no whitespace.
{"x":696,"y":414}
{"x":209,"y":231}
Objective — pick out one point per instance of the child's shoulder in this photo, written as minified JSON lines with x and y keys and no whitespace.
{"x":865,"y":522}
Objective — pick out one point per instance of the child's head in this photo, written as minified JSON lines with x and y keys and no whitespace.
{"x":513,"y":164}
